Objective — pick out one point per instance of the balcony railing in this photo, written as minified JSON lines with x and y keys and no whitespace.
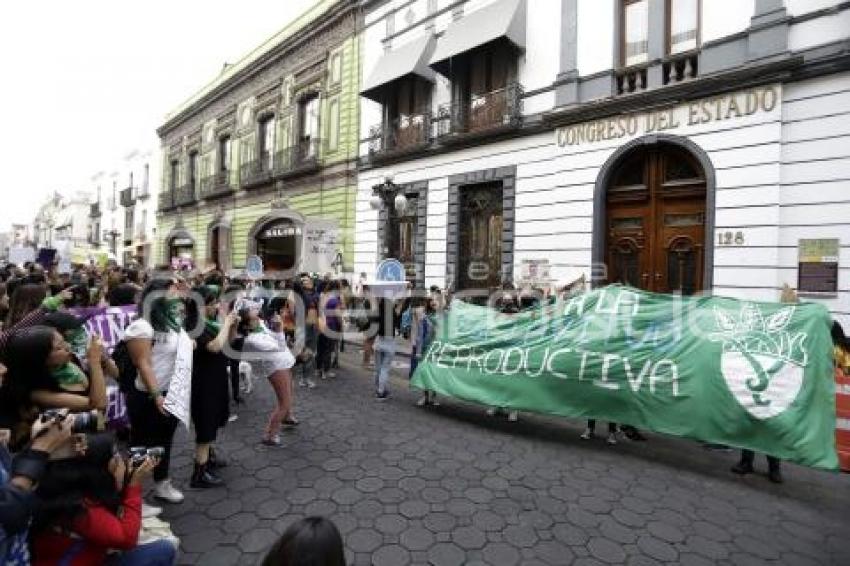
{"x":300,"y":158}
{"x":184,"y":195}
{"x":496,"y":110}
{"x":94,"y":211}
{"x":631,"y":79}
{"x":680,"y":68}
{"x":405,"y":133}
{"x":166,"y":199}
{"x":142,"y":192}
{"x":128,"y":197}
{"x":216,"y":185}
{"x":256,"y":172}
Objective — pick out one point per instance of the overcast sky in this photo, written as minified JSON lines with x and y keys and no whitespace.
{"x":87,"y":81}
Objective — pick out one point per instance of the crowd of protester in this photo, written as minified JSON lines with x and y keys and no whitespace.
{"x":72,"y":485}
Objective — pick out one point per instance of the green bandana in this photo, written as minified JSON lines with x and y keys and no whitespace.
{"x":173,"y":314}
{"x":213,"y":325}
{"x":78,"y":340}
{"x":69,"y":374}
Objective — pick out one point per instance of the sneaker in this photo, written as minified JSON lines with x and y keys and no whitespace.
{"x":167,"y":492}
{"x":273,"y":441}
{"x":290,"y":422}
{"x":302,"y":382}
{"x":311,"y":384}
{"x":492,"y":411}
{"x":422,"y":401}
{"x":322,"y":375}
{"x":612,"y":439}
{"x":382,"y":396}
{"x":513,"y":416}
{"x":150,"y":511}
{"x":233,"y":418}
{"x":434,"y":402}
{"x":587,"y":434}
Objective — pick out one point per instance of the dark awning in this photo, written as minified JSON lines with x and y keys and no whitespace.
{"x":409,"y":59}
{"x":502,"y":19}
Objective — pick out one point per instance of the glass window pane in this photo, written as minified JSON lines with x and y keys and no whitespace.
{"x":684,"y":18}
{"x":636,"y":28}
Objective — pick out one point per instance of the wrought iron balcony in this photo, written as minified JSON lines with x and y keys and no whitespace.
{"x":216,"y":185}
{"x":492,"y":111}
{"x":404,"y":134}
{"x":256,"y":172}
{"x":94,"y":211}
{"x":166,"y":200}
{"x":301,"y":158}
{"x":128,"y":197}
{"x":184,"y":195}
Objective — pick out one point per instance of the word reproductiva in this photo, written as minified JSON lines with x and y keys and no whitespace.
{"x":601,"y":369}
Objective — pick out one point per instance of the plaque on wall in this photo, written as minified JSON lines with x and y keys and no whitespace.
{"x":818,"y":266}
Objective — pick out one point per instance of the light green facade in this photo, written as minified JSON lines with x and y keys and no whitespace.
{"x":324,"y":192}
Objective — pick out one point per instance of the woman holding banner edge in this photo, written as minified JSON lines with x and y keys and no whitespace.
{"x":153,"y":341}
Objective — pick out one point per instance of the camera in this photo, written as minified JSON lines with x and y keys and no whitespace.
{"x":87,"y":422}
{"x":139,"y":454}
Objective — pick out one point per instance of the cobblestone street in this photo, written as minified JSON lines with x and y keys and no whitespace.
{"x":453,"y":486}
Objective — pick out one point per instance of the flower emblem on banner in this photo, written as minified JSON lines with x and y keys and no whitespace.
{"x":762,"y":362}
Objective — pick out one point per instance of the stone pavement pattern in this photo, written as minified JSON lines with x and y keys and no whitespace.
{"x":451,"y":486}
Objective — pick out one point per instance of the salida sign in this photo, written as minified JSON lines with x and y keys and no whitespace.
{"x":716,"y":109}
{"x":751,"y":375}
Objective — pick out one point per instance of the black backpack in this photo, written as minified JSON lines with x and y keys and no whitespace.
{"x":127,"y":371}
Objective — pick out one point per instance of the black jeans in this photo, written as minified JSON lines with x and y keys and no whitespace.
{"x":149,"y":427}
{"x":748,"y":456}
{"x":326,"y":350}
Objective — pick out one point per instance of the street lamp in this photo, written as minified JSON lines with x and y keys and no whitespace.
{"x":389,"y":195}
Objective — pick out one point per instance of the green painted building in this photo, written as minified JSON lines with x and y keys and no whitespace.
{"x":263,"y":160}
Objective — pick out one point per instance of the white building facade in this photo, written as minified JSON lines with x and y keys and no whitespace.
{"x":674,"y":145}
{"x":122,"y":215}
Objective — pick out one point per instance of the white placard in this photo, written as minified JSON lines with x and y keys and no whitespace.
{"x":178,"y":400}
{"x":320,"y":246}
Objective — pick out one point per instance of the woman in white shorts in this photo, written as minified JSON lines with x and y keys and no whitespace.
{"x":269,"y":356}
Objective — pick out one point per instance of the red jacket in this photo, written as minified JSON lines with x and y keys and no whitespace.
{"x":95,"y":532}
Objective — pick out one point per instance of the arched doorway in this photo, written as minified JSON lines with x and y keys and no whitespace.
{"x":656,"y":216}
{"x":277,"y":239}
{"x":181,"y":249}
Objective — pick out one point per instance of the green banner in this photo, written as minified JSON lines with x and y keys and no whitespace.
{"x":747,"y":374}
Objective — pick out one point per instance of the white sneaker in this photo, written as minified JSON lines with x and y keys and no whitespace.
{"x":612,"y":439}
{"x":302,"y":383}
{"x":587,"y":434}
{"x":311,"y":384}
{"x":167,"y":492}
{"x":422,"y":401}
{"x":322,"y":375}
{"x":513,"y":416}
{"x":331,"y":373}
{"x":149,"y":511}
{"x":491,"y":412}
{"x":232,"y":418}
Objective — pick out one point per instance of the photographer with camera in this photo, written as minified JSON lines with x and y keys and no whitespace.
{"x":18,"y":478}
{"x":92,"y":505}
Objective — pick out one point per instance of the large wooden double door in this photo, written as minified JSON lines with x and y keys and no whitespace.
{"x":655,"y":224}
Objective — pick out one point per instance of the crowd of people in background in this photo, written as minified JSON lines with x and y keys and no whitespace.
{"x":58,"y":448}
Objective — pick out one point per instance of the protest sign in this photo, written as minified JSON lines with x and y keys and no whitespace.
{"x":746,"y":374}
